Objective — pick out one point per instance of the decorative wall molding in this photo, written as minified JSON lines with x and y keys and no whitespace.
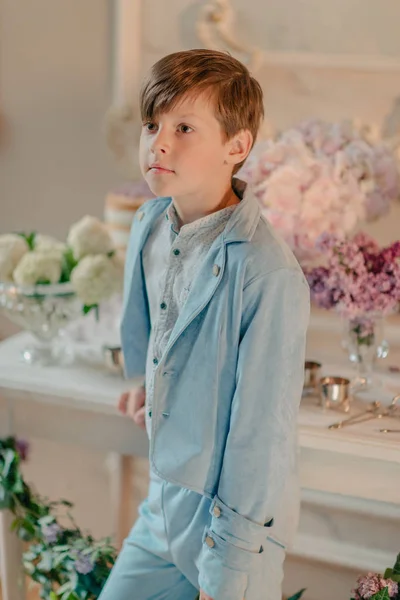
{"x":216,"y":24}
{"x":122,"y":120}
{"x":127,"y":51}
{"x":215,"y":27}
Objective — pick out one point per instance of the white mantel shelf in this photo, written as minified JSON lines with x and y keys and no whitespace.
{"x":87,"y":386}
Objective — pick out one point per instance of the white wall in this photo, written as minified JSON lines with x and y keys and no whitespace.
{"x":54,"y":91}
{"x":55,"y":86}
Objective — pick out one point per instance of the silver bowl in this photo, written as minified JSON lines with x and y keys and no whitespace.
{"x":311,"y":374}
{"x":335,"y":393}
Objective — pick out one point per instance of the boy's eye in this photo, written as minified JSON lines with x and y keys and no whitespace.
{"x":150,"y":126}
{"x":185,"y":128}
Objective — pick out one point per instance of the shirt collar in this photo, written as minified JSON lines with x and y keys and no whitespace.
{"x":209,"y":221}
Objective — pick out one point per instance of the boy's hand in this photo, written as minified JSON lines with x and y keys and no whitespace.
{"x":203,"y":596}
{"x":132,"y":404}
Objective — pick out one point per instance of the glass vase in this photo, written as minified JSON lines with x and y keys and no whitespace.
{"x":365,"y":342}
{"x":44,"y":311}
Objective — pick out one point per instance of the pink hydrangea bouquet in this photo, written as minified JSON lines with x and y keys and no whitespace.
{"x":320,"y":177}
{"x":359,"y":277}
{"x":377,"y":587}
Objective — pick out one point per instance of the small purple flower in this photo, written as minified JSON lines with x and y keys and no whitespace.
{"x":83,"y":564}
{"x":51,"y":532}
{"x":22,"y":447}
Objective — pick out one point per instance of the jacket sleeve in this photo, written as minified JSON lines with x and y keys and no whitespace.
{"x":261,"y":448}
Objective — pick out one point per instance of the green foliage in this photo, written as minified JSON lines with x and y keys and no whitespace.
{"x":69,"y":263}
{"x":381,"y":595}
{"x":29,"y":238}
{"x":67,"y":563}
{"x":298,"y":595}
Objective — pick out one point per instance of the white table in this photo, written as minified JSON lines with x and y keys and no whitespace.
{"x":77,"y":405}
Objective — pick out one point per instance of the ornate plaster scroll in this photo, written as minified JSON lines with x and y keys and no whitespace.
{"x":216,"y":25}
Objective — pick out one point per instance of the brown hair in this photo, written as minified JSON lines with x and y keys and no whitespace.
{"x":237,"y":96}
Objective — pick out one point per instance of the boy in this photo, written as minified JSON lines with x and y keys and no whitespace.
{"x":215,"y":313}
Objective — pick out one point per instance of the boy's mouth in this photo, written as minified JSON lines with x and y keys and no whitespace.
{"x":156,"y":168}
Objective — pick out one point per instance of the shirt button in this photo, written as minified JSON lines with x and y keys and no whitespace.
{"x":217,"y":511}
{"x":140,"y":215}
{"x":150,"y":413}
{"x":216,"y":270}
{"x":210,"y":542}
{"x":177,"y":252}
{"x":163,"y":305}
{"x":155,"y":361}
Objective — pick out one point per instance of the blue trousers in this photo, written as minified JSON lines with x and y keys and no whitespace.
{"x":159,"y":558}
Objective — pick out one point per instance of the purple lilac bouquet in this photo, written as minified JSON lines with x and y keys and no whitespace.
{"x":359,"y":277}
{"x":321,"y":177}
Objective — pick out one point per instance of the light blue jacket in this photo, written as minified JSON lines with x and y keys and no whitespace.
{"x":228,"y":386}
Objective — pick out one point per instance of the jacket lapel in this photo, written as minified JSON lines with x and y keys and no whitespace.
{"x":203,"y":289}
{"x":144,"y":220}
{"x":240,"y":228}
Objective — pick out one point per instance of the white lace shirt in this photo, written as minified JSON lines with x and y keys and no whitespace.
{"x":172,"y":257}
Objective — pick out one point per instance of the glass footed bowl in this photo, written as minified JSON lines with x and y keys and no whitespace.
{"x":44,"y":311}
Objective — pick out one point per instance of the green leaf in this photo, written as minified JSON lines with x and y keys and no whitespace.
{"x":69,"y":263}
{"x":66,"y":503}
{"x":64,"y":588}
{"x":88,"y":307}
{"x":10,"y":457}
{"x":396,"y":568}
{"x":388,"y":574}
{"x":29,"y":238}
{"x":47,"y":520}
{"x":381,"y":595}
{"x":46,"y":562}
{"x":297,"y":595}
{"x":5,"y":498}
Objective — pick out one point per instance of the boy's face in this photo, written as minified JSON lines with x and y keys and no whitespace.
{"x":183,"y":151}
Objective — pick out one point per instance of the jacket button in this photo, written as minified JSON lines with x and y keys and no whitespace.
{"x":140,"y":215}
{"x":150,"y":413}
{"x":163,"y":306}
{"x":216,"y":270}
{"x":210,"y":542}
{"x":155,"y":361}
{"x":217,"y":511}
{"x":177,"y":252}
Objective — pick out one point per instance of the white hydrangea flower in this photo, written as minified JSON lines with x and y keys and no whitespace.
{"x":96,"y":278}
{"x":46,"y":243}
{"x":12,"y":249}
{"x":37,"y":267}
{"x":89,"y":236}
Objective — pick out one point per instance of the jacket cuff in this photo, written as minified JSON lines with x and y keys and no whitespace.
{"x":222,"y":572}
{"x":240,"y":530}
{"x":231,"y":551}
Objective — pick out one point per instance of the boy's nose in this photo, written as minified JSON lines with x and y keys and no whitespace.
{"x":160,"y":143}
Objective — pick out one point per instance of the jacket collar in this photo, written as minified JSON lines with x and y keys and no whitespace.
{"x":243,"y":221}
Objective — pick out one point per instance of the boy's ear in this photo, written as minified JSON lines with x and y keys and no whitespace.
{"x":239,"y":147}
